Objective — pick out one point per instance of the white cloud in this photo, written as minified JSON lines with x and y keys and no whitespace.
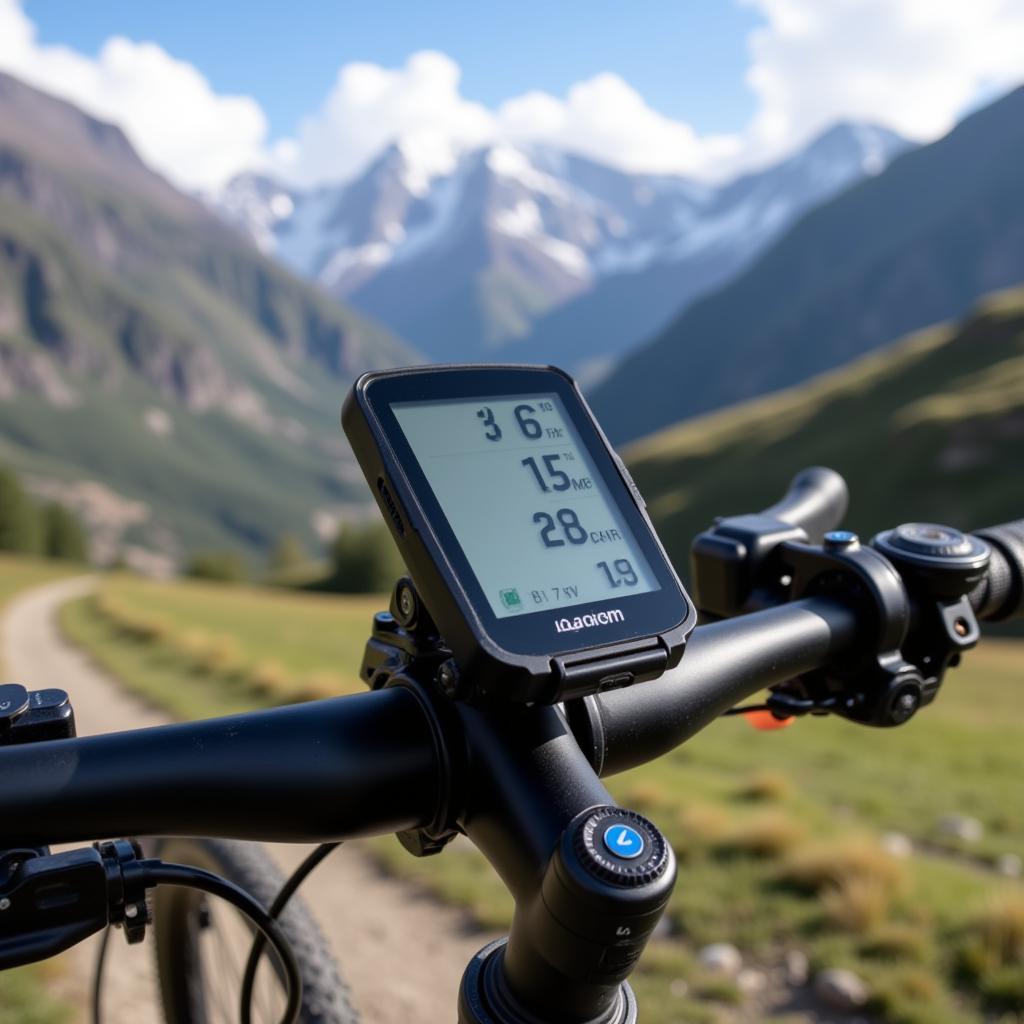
{"x":915,"y":65}
{"x":168,"y":109}
{"x":607,"y":119}
{"x":370,"y":106}
{"x":420,"y":106}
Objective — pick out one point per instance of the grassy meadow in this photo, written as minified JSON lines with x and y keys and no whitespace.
{"x":779,"y":835}
{"x":202,"y":649}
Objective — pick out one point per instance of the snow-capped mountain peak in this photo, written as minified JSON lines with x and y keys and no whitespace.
{"x":462,"y":251}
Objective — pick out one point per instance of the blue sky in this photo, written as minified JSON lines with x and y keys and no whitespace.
{"x":311,"y":92}
{"x":687,"y":58}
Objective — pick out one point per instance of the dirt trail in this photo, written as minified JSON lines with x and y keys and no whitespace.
{"x":401,"y":951}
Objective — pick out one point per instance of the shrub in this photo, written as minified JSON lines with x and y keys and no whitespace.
{"x":766,"y":786}
{"x":769,"y":834}
{"x":318,"y":685}
{"x":898,"y":940}
{"x":364,"y":560}
{"x":19,"y":521}
{"x":133,"y":624}
{"x":219,"y":656}
{"x":64,"y":536}
{"x":913,"y":995}
{"x":193,"y":645}
{"x":287,"y":558}
{"x":269,"y":679}
{"x":994,"y":938}
{"x":646,"y":795}
{"x":829,"y":865}
{"x":218,"y":567}
{"x":703,"y":824}
{"x":857,"y":904}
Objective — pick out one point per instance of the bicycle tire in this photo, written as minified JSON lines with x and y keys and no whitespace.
{"x":181,"y":915}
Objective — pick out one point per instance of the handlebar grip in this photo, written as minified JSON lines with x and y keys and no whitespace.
{"x":816,"y":502}
{"x":1001,"y":594}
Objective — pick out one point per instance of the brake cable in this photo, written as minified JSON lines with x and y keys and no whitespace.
{"x":154,"y":872}
{"x":290,"y":887}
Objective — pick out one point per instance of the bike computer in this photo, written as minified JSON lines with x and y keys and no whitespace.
{"x":522,"y":530}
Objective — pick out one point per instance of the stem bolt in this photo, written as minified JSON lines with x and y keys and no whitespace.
{"x":448,"y":679}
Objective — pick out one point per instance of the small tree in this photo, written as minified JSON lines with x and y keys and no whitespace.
{"x":19,"y":519}
{"x":218,"y":567}
{"x":365,"y":560}
{"x":288,"y":556}
{"x":64,"y":536}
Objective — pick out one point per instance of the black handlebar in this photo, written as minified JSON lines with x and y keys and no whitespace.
{"x":725,"y":663}
{"x":816,"y":501}
{"x":368,"y":764}
{"x":1000,"y":595}
{"x":330,"y":769}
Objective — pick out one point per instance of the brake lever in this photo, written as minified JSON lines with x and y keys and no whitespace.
{"x":50,"y":902}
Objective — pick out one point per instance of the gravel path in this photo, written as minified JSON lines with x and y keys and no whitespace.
{"x":401,"y":951}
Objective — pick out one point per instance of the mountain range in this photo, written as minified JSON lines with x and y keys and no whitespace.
{"x":179,"y":387}
{"x":915,"y":245}
{"x":157,"y":371}
{"x":531,"y":254}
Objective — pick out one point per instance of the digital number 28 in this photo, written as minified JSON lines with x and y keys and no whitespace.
{"x":572,"y":529}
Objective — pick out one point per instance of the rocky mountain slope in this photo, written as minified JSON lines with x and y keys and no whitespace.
{"x":155,"y":368}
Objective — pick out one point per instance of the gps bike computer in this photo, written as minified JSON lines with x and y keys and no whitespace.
{"x":525,"y":537}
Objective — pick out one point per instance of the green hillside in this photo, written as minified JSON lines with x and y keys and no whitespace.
{"x":930,"y":428}
{"x":919,"y":244}
{"x":146,"y":348}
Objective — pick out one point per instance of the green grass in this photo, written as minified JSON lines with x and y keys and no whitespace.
{"x":207,"y":649}
{"x":24,"y":998}
{"x":777,"y":833}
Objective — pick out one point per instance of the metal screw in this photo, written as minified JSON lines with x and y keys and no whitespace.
{"x":5,"y":903}
{"x":448,"y":679}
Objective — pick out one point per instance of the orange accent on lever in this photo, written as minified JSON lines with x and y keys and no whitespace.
{"x":766,"y":721}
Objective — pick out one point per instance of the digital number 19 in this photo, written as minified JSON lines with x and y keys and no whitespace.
{"x":620,"y":573}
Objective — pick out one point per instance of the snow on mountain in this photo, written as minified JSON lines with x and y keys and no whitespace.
{"x":466,"y":254}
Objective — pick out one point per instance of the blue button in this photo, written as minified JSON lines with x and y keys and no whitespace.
{"x":841,"y":538}
{"x":623,"y":841}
